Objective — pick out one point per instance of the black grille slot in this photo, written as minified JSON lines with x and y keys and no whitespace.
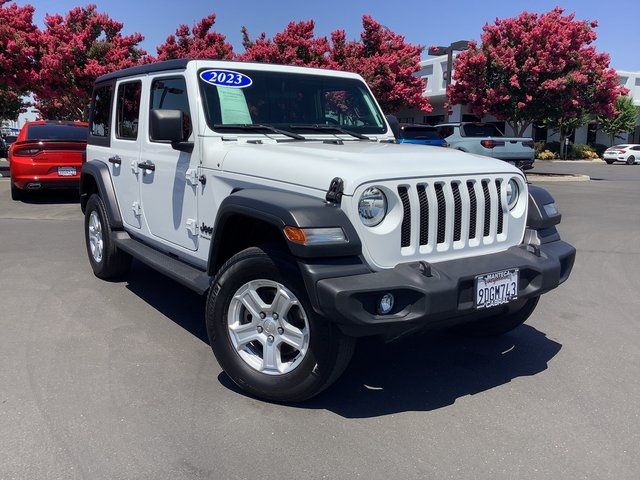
{"x":424,"y":215}
{"x":442,"y":212}
{"x":473,"y":210}
{"x":487,"y":208}
{"x":405,"y":236}
{"x":500,"y":212}
{"x":457,"y":215}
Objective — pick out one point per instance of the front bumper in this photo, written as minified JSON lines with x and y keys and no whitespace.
{"x":436,"y":296}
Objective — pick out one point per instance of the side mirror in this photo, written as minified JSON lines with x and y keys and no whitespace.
{"x":171,"y":126}
{"x":394,"y":124}
{"x":166,"y":126}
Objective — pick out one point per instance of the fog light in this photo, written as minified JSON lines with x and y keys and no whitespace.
{"x":386,"y":304}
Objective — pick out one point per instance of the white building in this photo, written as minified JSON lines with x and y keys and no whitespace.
{"x":432,"y":72}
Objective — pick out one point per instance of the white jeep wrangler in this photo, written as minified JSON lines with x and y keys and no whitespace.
{"x":280,"y":192}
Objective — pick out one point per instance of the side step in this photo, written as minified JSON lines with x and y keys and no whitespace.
{"x":189,"y":276}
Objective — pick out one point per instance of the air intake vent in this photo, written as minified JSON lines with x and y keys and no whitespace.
{"x":424,"y":215}
{"x":487,"y":208}
{"x":473,"y":210}
{"x":405,"y":239}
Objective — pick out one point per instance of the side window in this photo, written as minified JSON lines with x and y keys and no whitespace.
{"x":636,"y":148}
{"x":128,"y":110}
{"x":171,"y":94}
{"x":445,"y":131}
{"x":101,"y":112}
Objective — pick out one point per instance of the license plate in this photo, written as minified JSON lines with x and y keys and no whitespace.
{"x":66,"y":171}
{"x":497,"y":288}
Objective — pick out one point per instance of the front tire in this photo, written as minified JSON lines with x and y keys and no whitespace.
{"x":265,"y":334}
{"x":499,"y":324}
{"x":107,"y":260}
{"x":631,"y":160}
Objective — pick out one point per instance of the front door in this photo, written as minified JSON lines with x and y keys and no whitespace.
{"x":125,"y":150}
{"x":168,"y":192}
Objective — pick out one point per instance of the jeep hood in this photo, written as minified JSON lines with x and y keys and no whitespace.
{"x":314,"y":164}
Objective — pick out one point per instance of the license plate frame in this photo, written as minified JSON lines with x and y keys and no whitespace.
{"x":67,"y":171}
{"x":496,"y":288}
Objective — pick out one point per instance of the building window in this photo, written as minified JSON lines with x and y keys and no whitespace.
{"x":592,"y":133}
{"x":637,"y":81}
{"x":623,"y":80}
{"x":540,"y":133}
{"x":432,"y":119}
{"x":467,"y":117}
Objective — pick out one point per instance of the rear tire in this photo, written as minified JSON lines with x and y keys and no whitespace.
{"x":107,"y":261}
{"x":500,"y":324}
{"x":631,"y":160}
{"x":16,"y":193}
{"x":244,"y":342}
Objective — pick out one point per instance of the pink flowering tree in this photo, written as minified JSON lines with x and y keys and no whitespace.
{"x":386,"y":61}
{"x":198,"y":42}
{"x":18,"y":47}
{"x":75,"y":49}
{"x":537,"y":67}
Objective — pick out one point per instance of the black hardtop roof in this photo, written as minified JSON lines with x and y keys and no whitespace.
{"x":178,"y":64}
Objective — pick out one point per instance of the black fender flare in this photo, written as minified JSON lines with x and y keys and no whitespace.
{"x":99,"y":172}
{"x":281,"y":209}
{"x":538,"y":218}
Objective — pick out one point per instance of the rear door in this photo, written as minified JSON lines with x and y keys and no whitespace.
{"x":125,"y":150}
{"x":168,"y":192}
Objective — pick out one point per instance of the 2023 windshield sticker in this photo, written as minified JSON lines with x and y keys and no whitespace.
{"x":226,"y":78}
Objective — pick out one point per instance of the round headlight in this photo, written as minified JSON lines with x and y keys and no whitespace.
{"x":372,"y":206}
{"x":513,"y":192}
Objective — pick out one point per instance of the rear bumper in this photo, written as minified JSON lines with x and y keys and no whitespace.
{"x":443,"y":298}
{"x":27,"y":174}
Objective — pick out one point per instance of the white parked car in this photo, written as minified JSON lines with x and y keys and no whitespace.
{"x":281,"y":193}
{"x":487,"y":139}
{"x":629,"y":154}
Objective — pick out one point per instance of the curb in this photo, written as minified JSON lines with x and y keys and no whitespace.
{"x":596,"y":160}
{"x":556,"y":177}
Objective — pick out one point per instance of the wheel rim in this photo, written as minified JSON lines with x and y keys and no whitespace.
{"x":268,"y":327}
{"x":96,"y":243}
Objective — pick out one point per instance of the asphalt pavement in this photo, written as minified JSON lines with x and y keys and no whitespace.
{"x":103,"y":380}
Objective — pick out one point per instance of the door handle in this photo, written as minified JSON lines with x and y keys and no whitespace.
{"x":147,"y":165}
{"x":116,"y":160}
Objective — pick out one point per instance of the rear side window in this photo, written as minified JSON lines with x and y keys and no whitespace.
{"x":445,"y":131}
{"x":56,"y":132}
{"x":128,"y":110}
{"x":420,"y":133}
{"x":101,"y":112}
{"x":481,"y":130}
{"x":171,"y":94}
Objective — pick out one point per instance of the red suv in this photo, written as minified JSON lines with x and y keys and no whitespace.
{"x":47,"y":154}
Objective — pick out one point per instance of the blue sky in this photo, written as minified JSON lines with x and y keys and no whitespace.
{"x":423,"y":22}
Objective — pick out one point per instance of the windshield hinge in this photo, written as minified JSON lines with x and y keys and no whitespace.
{"x":334,"y":194}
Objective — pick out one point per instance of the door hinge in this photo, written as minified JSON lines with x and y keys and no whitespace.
{"x":192,"y":227}
{"x":192,"y":176}
{"x":137,"y":209}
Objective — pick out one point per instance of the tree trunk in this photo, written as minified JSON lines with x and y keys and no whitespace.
{"x":519,"y":128}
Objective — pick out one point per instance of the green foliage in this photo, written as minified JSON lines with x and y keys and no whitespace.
{"x":623,"y":121}
{"x":579,"y":151}
{"x":545,"y":155}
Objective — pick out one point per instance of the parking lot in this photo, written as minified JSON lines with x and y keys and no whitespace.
{"x":117,"y":380}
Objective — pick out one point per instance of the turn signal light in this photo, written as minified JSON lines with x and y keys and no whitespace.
{"x":295,"y":235}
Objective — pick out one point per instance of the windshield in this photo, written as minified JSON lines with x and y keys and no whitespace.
{"x":285,"y":100}
{"x":420,"y":133}
{"x":481,"y":130}
{"x":72,"y":133}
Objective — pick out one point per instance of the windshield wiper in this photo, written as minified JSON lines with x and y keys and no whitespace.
{"x":256,"y":126}
{"x":330,"y":128}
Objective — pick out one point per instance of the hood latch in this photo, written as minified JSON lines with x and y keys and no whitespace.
{"x":334,"y":194}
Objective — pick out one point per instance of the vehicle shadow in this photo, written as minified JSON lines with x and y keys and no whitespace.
{"x":432,"y":370}
{"x":420,"y":373}
{"x":51,"y":197}
{"x":183,"y":306}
